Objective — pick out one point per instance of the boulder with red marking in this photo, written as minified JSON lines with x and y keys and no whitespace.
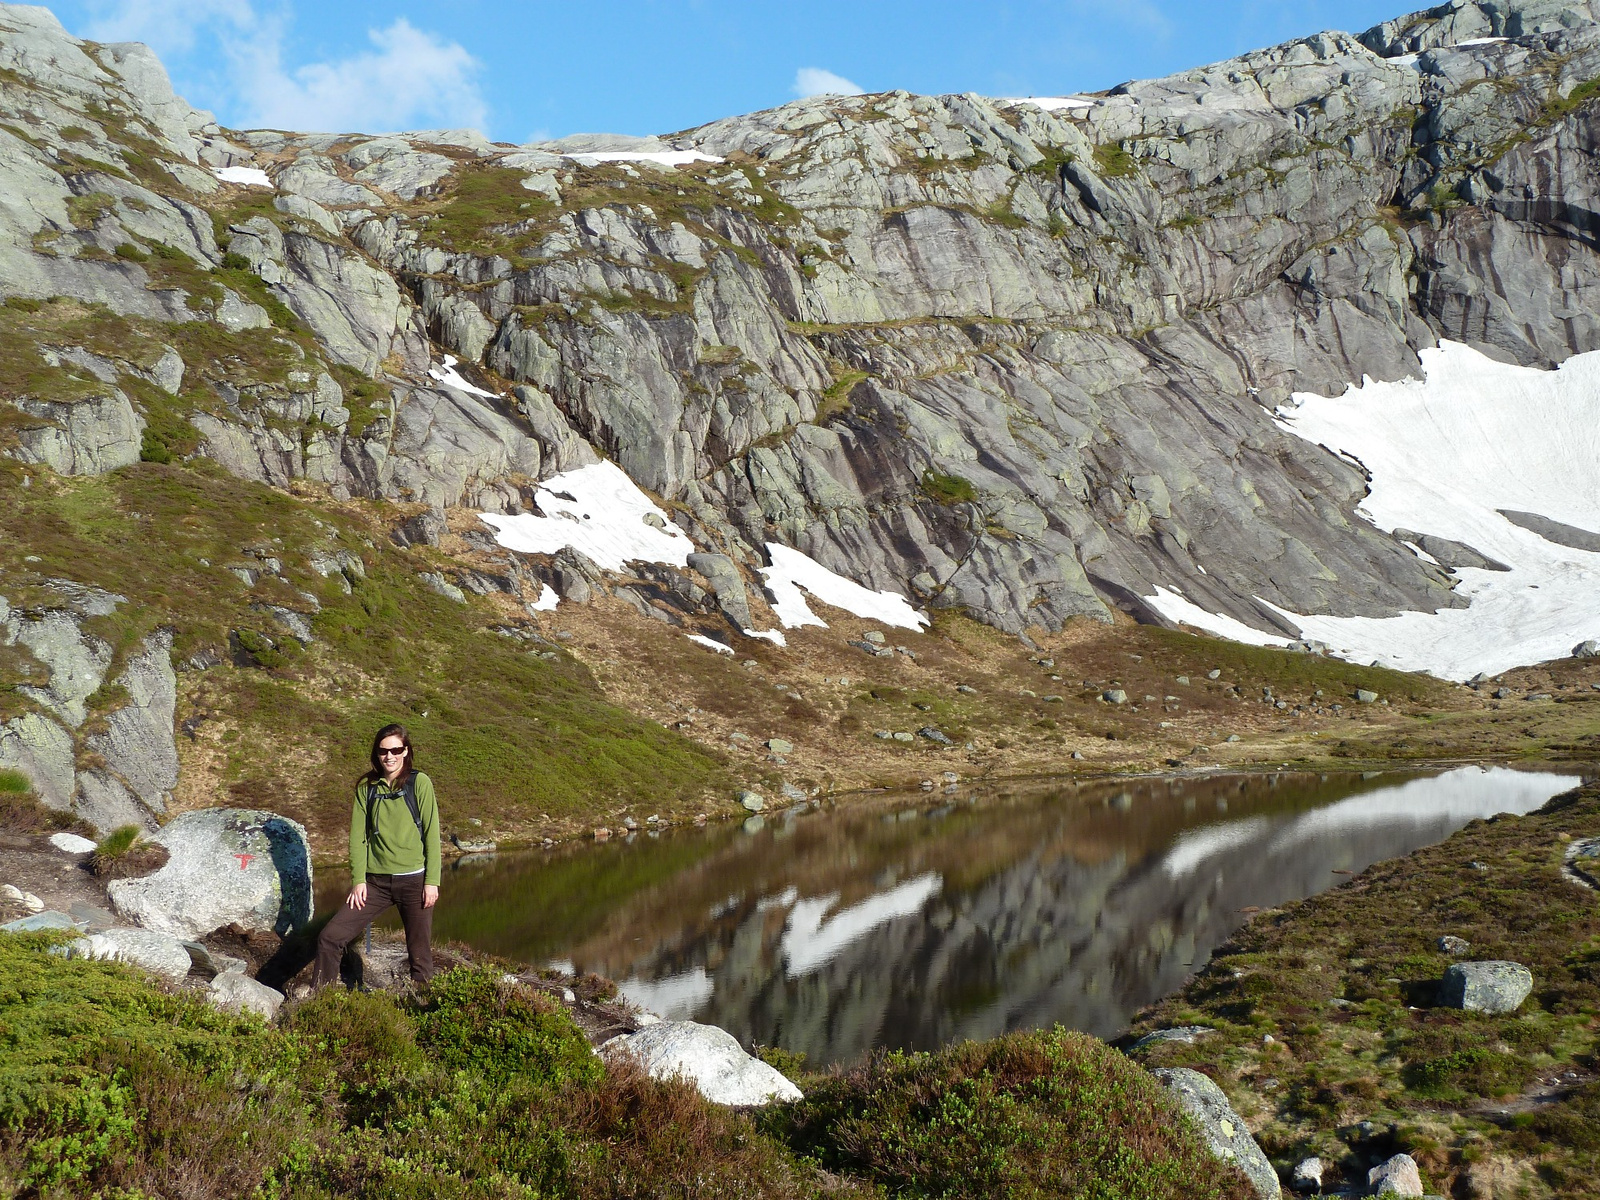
{"x":226,"y":866}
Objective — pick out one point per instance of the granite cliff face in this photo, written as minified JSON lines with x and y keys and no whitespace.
{"x":1010,"y":357}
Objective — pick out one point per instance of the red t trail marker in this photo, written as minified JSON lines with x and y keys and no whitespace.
{"x":244,"y":860}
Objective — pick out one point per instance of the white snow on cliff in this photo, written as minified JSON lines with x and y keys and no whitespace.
{"x":792,"y":571}
{"x":248,"y":176}
{"x":1446,"y":454}
{"x":600,"y":512}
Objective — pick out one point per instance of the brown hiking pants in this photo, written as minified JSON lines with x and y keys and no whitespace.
{"x":401,"y":891}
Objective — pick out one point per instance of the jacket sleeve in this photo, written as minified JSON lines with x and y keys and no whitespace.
{"x":358,"y":835}
{"x":428,"y":807}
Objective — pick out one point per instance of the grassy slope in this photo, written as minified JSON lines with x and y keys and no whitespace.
{"x":1344,"y":983}
{"x":505,"y":732}
{"x":111,"y":1086}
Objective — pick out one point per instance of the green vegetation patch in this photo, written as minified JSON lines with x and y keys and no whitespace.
{"x":947,"y":489}
{"x":1114,"y":162}
{"x":1346,"y":984}
{"x":1041,"y":1114}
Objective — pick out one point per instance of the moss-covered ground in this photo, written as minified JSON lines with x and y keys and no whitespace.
{"x":475,"y":1087}
{"x":1329,"y":1038}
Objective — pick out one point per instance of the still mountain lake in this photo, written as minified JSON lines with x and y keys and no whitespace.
{"x":909,"y":922}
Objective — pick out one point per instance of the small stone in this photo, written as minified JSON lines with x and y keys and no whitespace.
{"x":1078,"y":754}
{"x":873,"y":636}
{"x":1538,"y":696}
{"x":1451,"y":944}
{"x":882,"y":733}
{"x":71,"y":843}
{"x":601,"y":834}
{"x":927,"y":785}
{"x":951,"y":777}
{"x":1502,"y":693}
{"x":1494,"y":986}
{"x":1365,"y":697}
{"x":1214,"y":673}
{"x":934,"y":735}
{"x":1232,"y":737}
{"x":749,"y":662}
{"x":1183,"y":679}
{"x":39,"y":921}
{"x":1187,"y":1034}
{"x":235,"y":992}
{"x":629,"y":823}
{"x":779,"y":746}
{"x":1114,"y":696}
{"x":1307,"y":1176}
{"x":903,"y":737}
{"x":568,"y":995}
{"x":965,"y":690}
{"x":750,"y":801}
{"x":1397,"y":1177}
{"x":32,"y":903}
{"x":791,"y":792}
{"x":1587,"y":649}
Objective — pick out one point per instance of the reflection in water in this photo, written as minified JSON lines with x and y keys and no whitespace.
{"x":833,"y":933}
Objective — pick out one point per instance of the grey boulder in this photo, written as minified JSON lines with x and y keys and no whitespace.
{"x":708,"y":1057}
{"x":1398,"y":1176}
{"x":1495,"y":986}
{"x":1587,"y":649}
{"x":234,"y":992}
{"x":38,"y":922}
{"x":155,"y":952}
{"x":1221,"y":1127}
{"x":226,"y":866}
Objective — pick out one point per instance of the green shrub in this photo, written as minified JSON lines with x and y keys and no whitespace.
{"x":471,"y":1018}
{"x":235,"y":262}
{"x":1114,"y":161}
{"x":14,"y":783}
{"x":132,"y":253}
{"x":23,"y":304}
{"x":122,"y":853}
{"x":947,"y":489}
{"x":1045,"y":1114}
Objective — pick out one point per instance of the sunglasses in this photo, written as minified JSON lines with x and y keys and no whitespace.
{"x":391,"y":751}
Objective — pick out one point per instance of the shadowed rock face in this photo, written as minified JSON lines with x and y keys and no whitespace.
{"x":1085,"y":314}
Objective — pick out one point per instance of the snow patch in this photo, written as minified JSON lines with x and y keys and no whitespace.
{"x":1488,"y":41}
{"x":1050,"y":103}
{"x":1445,"y":453}
{"x":767,"y":635}
{"x":791,"y":571}
{"x":664,"y":158}
{"x":710,"y":643}
{"x":451,"y":378}
{"x":547,"y":601}
{"x":598,"y":511}
{"x":249,"y":176}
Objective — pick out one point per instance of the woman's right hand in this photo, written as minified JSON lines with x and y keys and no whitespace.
{"x":357,"y":897}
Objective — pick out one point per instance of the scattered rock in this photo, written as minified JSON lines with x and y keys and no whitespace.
{"x":965,"y":690}
{"x":934,"y":735}
{"x":873,"y":636}
{"x":708,"y":1057}
{"x":902,"y":737}
{"x":237,"y":993}
{"x":1538,"y":696}
{"x":38,"y":922}
{"x":1214,"y":673}
{"x":751,"y":801}
{"x":210,"y":962}
{"x":1495,"y":986}
{"x":1502,"y":693}
{"x":1397,"y":1177}
{"x":1587,"y":649}
{"x":157,"y":952}
{"x":71,"y":843}
{"x":779,"y":746}
{"x":1183,"y":679}
{"x":1226,"y":1134}
{"x":225,"y":866}
{"x":1077,"y":754}
{"x":1232,"y":737}
{"x":1187,"y":1034}
{"x":1114,"y":696}
{"x":474,"y":845}
{"x":1307,"y":1176}
{"x":1365,"y":697}
{"x":1451,"y":944}
{"x":791,"y":792}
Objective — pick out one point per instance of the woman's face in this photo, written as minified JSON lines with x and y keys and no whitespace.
{"x":391,"y":755}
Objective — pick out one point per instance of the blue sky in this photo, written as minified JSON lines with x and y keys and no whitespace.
{"x":536,"y":68}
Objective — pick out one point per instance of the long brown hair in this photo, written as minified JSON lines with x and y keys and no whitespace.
{"x":406,"y":766}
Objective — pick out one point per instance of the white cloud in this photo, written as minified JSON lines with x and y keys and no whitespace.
{"x":814,"y":81}
{"x":231,"y":53}
{"x":411,"y":79}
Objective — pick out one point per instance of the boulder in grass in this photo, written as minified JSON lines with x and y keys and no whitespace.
{"x":708,"y":1057}
{"x":1493,"y":987}
{"x":1221,"y":1127}
{"x":155,"y":952}
{"x":1398,"y":1176}
{"x":237,"y":993}
{"x":225,"y":866}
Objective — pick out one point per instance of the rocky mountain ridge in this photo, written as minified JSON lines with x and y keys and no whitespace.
{"x":1013,"y":358}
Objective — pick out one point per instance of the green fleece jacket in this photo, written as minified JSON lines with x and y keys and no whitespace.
{"x":393,"y":847}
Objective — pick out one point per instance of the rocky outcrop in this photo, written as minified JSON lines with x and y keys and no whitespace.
{"x":707,"y":1057}
{"x":132,"y":756}
{"x":1014,"y":359}
{"x":1221,"y":1127}
{"x":225,"y":867}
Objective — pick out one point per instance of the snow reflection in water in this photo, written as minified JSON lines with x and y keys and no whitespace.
{"x":833,"y":933}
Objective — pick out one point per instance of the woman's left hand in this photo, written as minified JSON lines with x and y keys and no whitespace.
{"x":430,"y":895}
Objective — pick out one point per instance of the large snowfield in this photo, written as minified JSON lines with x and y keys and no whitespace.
{"x":1446,"y":454}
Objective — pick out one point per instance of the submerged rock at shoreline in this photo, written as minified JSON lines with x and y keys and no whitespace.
{"x":708,"y":1057}
{"x":1221,"y":1127}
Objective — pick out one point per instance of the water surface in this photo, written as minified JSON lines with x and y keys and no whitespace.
{"x":913,"y":924}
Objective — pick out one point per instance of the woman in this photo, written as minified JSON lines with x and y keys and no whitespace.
{"x":394,"y":858}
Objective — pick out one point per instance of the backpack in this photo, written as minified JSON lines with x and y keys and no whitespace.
{"x":408,"y":789}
